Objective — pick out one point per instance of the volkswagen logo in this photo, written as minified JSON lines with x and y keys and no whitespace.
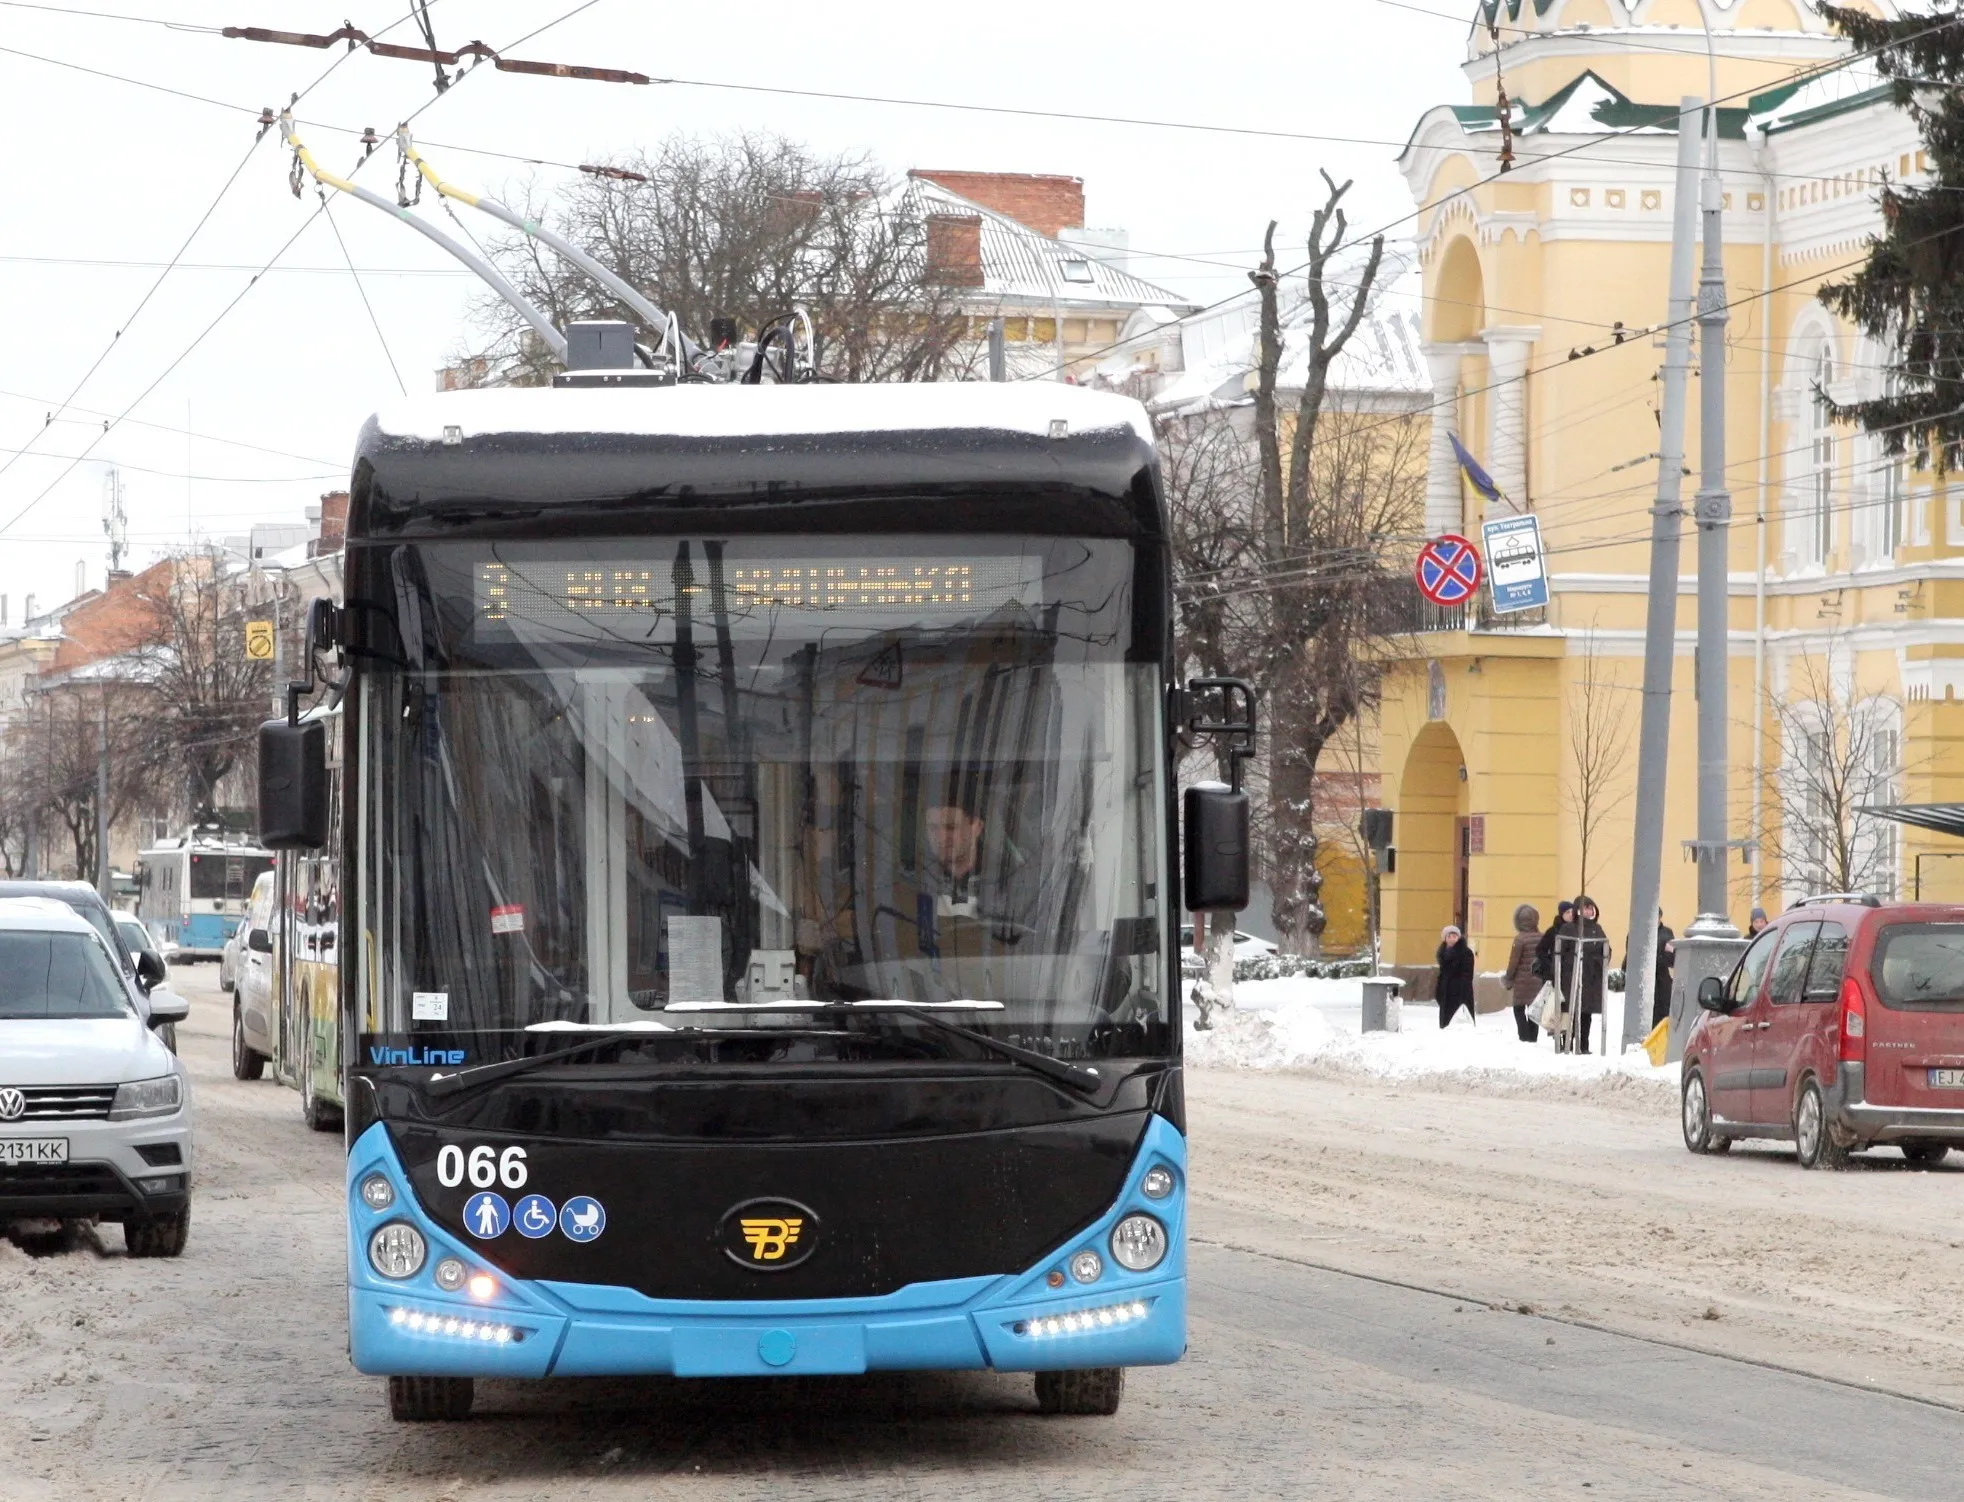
{"x":768,"y":1235}
{"x":13,"y":1105}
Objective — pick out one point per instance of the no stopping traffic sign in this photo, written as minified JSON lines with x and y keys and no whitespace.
{"x":1448,"y":570}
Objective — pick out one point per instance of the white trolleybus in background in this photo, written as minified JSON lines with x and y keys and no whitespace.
{"x":192,"y":891}
{"x":746,"y":876}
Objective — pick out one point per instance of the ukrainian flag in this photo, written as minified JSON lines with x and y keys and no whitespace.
{"x":1475,"y":475}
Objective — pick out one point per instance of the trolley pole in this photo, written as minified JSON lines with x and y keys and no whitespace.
{"x":1660,"y":627}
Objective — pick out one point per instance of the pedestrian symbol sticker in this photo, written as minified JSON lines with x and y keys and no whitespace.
{"x":535,"y":1216}
{"x":1448,"y":570}
{"x":582,"y":1219}
{"x":486,"y":1215}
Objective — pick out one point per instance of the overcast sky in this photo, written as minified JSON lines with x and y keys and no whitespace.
{"x":101,"y":171}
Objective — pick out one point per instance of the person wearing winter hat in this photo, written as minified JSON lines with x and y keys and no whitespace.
{"x":1520,"y":976}
{"x":1582,"y":964}
{"x":1544,"y":953}
{"x":1756,"y":922}
{"x":1455,"y":989}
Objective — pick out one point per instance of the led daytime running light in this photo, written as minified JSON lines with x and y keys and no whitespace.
{"x":483,"y":1332}
{"x":1084,"y":1321}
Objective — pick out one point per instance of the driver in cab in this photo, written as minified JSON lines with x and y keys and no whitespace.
{"x":965,"y":886}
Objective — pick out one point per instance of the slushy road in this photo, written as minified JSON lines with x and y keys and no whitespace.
{"x":224,"y":1374}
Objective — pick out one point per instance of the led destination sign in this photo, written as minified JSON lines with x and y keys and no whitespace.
{"x":551,"y":592}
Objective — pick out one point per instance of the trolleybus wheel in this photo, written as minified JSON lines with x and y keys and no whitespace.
{"x":1094,"y":1389}
{"x":422,"y":1400}
{"x":317,"y":1113}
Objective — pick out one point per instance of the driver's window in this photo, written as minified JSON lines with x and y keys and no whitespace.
{"x":1790,"y":969}
{"x":1744,"y":985}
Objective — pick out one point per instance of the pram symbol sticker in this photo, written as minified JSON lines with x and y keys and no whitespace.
{"x":582,"y":1219}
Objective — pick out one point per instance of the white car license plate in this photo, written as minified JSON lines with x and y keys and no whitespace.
{"x":33,"y":1149}
{"x":1947,"y":1079}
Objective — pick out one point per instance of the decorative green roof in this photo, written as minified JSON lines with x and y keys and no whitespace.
{"x":1587,"y":103}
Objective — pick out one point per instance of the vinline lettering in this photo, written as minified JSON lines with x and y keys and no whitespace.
{"x":380,"y":1054}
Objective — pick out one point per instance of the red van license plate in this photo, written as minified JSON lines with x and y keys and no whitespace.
{"x":1947,"y":1079}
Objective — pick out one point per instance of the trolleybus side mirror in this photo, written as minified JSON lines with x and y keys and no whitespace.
{"x":1215,"y":842}
{"x":292,"y":785}
{"x":1214,"y":837}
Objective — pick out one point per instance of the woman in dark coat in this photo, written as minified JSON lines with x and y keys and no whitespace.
{"x":1520,"y":977}
{"x":1582,"y":941}
{"x":1455,"y":976}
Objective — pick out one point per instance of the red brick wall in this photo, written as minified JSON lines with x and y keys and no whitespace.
{"x":1045,"y":202}
{"x":334,"y":524}
{"x":954,"y":250}
{"x":123,"y":616}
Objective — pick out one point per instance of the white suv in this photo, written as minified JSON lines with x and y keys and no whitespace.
{"x":95,"y":1112}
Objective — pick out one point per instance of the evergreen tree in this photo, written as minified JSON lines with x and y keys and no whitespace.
{"x":1909,"y":294}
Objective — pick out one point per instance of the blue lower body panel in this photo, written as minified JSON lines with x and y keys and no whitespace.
{"x":1017,"y":1321}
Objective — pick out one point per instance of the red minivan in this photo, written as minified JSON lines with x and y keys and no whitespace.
{"x":1841,"y":1028}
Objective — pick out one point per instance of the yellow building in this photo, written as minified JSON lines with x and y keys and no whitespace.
{"x":1506,"y":741}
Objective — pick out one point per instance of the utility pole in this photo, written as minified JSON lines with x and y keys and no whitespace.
{"x":1660,"y":627}
{"x":103,"y":885}
{"x":1711,"y":943}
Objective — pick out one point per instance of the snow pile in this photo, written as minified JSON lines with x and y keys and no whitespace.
{"x":1316,"y":1024}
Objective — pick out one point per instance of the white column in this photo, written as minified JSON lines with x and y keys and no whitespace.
{"x":1442,"y":492}
{"x":1508,"y":349}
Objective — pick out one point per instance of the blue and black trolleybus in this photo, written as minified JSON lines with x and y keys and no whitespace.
{"x":756,"y":888}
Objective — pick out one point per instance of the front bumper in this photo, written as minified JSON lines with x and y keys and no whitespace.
{"x":1865,"y":1122}
{"x":116,"y":1170}
{"x":1013,"y":1322}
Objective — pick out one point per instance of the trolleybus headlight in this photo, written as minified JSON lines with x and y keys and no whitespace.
{"x":1087,"y":1267}
{"x":377,"y":1192}
{"x":1139,"y":1243}
{"x":449,"y":1274}
{"x":1157,"y":1184}
{"x":397,"y":1250}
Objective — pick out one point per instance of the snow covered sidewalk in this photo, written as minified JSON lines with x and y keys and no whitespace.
{"x":1315,"y":1024}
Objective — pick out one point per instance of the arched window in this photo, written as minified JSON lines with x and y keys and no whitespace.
{"x":1821,"y":459}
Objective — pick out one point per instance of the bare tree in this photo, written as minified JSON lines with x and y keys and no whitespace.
{"x":1327,"y":521}
{"x":1838,"y":754}
{"x":57,"y":749}
{"x":1598,"y":748}
{"x":209,"y":697}
{"x":744,"y":227}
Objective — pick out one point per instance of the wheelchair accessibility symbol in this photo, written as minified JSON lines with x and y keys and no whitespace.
{"x":582,"y":1219}
{"x":486,"y":1216}
{"x":535,"y":1216}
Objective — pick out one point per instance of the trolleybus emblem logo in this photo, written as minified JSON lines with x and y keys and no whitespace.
{"x":769,"y":1235}
{"x":12,"y":1104}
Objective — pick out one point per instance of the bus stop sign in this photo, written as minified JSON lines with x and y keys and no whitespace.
{"x":1517,"y":569}
{"x":1448,"y":570}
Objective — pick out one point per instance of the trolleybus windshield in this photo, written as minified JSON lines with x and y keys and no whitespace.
{"x":636,"y":781}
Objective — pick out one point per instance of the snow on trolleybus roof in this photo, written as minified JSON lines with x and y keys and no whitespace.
{"x":1027,"y":409}
{"x":1037,"y":456}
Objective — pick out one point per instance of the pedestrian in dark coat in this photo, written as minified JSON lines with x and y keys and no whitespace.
{"x":1667,"y":958}
{"x":1519,"y":977}
{"x":1582,"y":964}
{"x":1455,"y":976}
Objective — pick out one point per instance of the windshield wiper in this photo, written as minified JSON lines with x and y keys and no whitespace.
{"x":1079,"y":1077}
{"x":504,"y":1069}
